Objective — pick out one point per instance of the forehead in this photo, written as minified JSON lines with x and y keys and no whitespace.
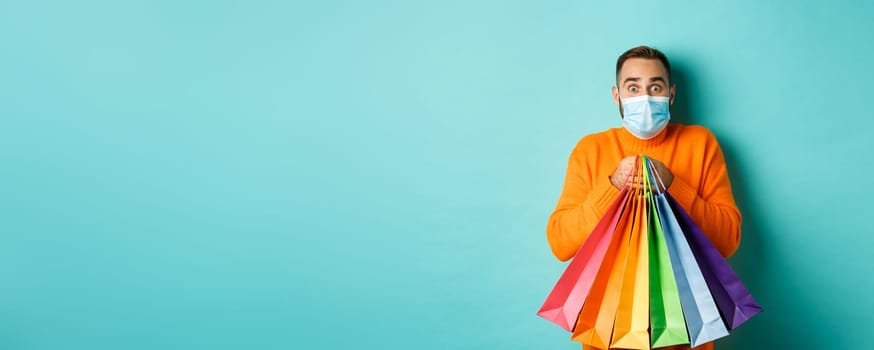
{"x":642,"y":68}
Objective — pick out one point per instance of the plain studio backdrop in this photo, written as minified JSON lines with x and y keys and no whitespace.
{"x":378,"y":174}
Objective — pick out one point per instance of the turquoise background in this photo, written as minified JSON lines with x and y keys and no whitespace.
{"x":378,"y":175}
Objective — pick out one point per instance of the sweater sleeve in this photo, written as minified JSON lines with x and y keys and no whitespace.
{"x":712,"y":205}
{"x":584,"y":200}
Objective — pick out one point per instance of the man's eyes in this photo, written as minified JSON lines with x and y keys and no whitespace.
{"x":635,"y":89}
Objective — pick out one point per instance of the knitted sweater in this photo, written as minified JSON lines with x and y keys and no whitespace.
{"x":700,"y":185}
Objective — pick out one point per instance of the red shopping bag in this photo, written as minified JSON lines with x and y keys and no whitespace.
{"x":565,"y":301}
{"x":595,"y":324}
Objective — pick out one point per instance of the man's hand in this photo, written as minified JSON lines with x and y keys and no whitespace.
{"x":623,"y":170}
{"x":663,"y":172}
{"x":626,"y":165}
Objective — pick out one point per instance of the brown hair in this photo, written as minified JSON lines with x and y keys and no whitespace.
{"x":643,"y":52}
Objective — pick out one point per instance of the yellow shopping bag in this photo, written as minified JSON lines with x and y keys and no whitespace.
{"x":631,"y":329}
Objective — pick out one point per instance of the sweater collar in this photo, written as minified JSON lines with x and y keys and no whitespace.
{"x":630,"y":141}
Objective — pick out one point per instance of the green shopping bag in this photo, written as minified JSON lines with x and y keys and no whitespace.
{"x":667,"y":324}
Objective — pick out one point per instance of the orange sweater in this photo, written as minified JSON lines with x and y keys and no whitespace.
{"x":700,"y":185}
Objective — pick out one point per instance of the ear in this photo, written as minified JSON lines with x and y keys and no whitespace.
{"x":615,"y":91}
{"x":673,"y":93}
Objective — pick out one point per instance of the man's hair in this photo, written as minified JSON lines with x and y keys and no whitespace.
{"x":643,"y":52}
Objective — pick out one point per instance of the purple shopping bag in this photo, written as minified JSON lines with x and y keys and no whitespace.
{"x":734,"y":300}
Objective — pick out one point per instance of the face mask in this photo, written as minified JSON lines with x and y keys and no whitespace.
{"x":645,"y":116}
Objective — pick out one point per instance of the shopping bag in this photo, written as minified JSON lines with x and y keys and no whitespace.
{"x":734,"y":300}
{"x":647,"y":277}
{"x":667,"y":323}
{"x":630,"y":330}
{"x":564,"y":302}
{"x":595,"y":324}
{"x":703,"y":321}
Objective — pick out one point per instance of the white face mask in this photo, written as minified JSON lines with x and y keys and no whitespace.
{"x":645,"y":116}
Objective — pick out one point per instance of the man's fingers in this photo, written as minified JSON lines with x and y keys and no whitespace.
{"x":638,"y":180}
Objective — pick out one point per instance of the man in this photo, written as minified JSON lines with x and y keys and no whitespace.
{"x":687,"y":158}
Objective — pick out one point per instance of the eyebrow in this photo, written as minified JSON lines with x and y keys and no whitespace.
{"x":638,"y":79}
